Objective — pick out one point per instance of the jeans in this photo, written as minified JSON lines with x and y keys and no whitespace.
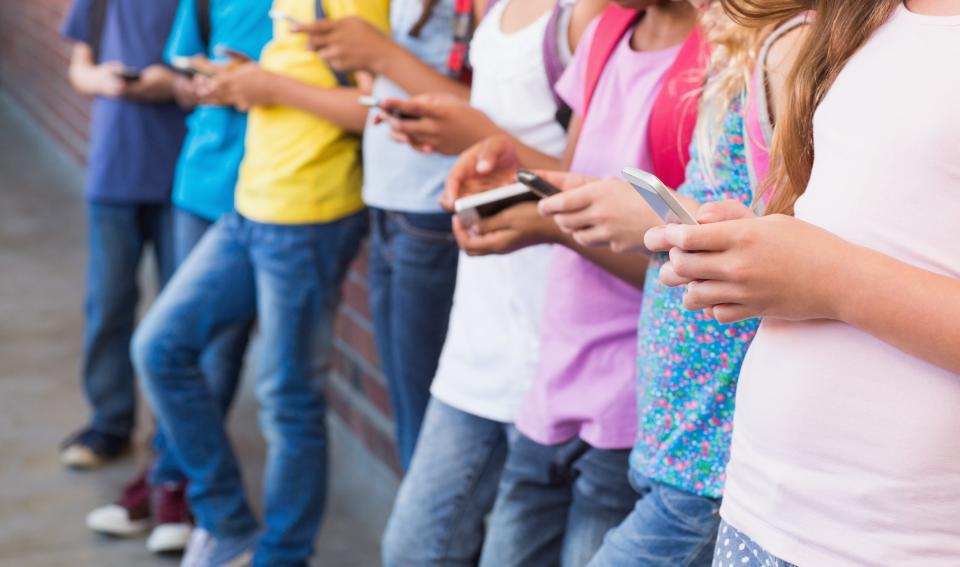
{"x":413,"y":271}
{"x":556,"y":503}
{"x":667,"y":528}
{"x":437,"y":519}
{"x":117,"y":235}
{"x":736,"y":549}
{"x":289,"y":276}
{"x":221,"y":362}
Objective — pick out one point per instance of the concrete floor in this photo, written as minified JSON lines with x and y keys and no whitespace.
{"x":42,"y":506}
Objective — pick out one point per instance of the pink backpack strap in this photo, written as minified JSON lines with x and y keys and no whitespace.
{"x":674,"y":113}
{"x":614,"y":23}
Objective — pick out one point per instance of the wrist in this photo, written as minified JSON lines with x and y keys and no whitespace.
{"x":842,"y":281}
{"x":386,"y":60}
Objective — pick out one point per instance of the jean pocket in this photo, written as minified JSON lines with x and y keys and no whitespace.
{"x":432,"y":227}
{"x":698,"y":513}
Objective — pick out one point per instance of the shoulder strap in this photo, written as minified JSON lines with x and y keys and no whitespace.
{"x":98,"y":20}
{"x":614,"y":23}
{"x":553,"y":62}
{"x":674,"y":112}
{"x":203,"y":22}
{"x":321,"y":14}
{"x":489,"y":6}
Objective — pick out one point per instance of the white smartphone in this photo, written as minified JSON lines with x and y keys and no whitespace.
{"x":184,"y":66}
{"x":374,"y":102}
{"x":472,"y":208}
{"x":658,"y":196}
{"x":281,"y":15}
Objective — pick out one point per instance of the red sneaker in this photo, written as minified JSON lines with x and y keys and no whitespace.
{"x":129,"y":516}
{"x":171,"y":515}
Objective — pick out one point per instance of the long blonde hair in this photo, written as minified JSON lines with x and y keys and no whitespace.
{"x":837,"y":30}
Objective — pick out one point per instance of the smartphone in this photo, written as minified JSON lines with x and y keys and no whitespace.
{"x":184,"y":66}
{"x":225,"y":51}
{"x":482,"y":205}
{"x":129,"y":75}
{"x":537,"y":184}
{"x":374,"y":102}
{"x":281,"y":15}
{"x":658,"y":196}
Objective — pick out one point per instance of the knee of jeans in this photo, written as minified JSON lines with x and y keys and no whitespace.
{"x":153,"y":353}
{"x":286,"y":414}
{"x":398,"y":546}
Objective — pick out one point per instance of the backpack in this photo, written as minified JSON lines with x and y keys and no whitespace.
{"x":553,"y":64}
{"x":674,"y":113}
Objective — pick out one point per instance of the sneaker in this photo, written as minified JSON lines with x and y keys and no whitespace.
{"x":205,"y":550}
{"x":89,"y":449}
{"x":171,"y":516}
{"x":129,"y":516}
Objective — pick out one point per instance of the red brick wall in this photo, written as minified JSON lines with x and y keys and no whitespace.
{"x":33,"y":67}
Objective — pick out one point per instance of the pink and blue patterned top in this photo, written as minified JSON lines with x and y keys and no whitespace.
{"x":688,"y":364}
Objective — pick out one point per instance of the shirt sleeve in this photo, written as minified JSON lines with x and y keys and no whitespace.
{"x":573,"y":81}
{"x":185,"y":40}
{"x":77,"y":26}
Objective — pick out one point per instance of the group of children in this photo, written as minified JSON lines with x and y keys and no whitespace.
{"x":574,"y":382}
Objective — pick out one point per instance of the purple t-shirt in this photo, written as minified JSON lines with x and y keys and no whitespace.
{"x":133,"y":146}
{"x":588,"y":355}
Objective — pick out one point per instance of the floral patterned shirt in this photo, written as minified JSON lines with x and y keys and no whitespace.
{"x":688,"y":364}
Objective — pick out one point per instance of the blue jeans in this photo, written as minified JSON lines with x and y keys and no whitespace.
{"x":667,"y":528}
{"x":413,"y":270}
{"x":735,"y":548}
{"x":221,"y":362}
{"x":555,"y":503}
{"x":117,"y":235}
{"x":289,"y":276}
{"x":438,"y":516}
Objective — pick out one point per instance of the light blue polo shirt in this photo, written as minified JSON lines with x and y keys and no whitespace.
{"x":396,"y":177}
{"x":206,"y":173}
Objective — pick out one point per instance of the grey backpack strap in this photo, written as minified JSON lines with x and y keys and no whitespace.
{"x":98,"y":19}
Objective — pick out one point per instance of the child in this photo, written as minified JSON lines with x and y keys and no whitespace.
{"x":564,"y":483}
{"x":205,"y":179}
{"x":845,"y":447}
{"x":135,"y":137}
{"x":282,"y":257}
{"x":413,"y":255}
{"x":491,"y":351}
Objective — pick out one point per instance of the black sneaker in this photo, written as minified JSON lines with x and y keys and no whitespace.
{"x":89,"y":449}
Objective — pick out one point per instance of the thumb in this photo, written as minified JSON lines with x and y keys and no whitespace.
{"x":719,"y":211}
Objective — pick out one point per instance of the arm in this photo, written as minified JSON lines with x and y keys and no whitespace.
{"x":90,"y":79}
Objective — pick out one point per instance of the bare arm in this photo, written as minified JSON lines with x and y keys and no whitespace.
{"x":90,"y":79}
{"x":337,"y":105}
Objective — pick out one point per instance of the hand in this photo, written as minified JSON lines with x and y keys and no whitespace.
{"x":774,"y":266}
{"x":102,"y":80}
{"x":445,"y":123}
{"x":348,"y":44}
{"x":488,"y":164}
{"x":509,"y":230}
{"x":603,"y":213}
{"x":156,"y":84}
{"x":244,"y":86}
{"x":185,"y":92}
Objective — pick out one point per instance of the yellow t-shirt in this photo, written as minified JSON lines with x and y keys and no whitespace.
{"x":299,"y":168}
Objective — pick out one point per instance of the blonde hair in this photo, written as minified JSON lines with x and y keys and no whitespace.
{"x":837,"y":31}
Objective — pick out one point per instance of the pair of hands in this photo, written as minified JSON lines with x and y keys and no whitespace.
{"x":155,"y":84}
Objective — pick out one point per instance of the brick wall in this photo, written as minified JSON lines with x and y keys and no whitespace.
{"x":33,"y":67}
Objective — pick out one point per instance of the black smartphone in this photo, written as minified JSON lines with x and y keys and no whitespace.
{"x":537,"y":184}
{"x":129,"y":75}
{"x":374,"y":102}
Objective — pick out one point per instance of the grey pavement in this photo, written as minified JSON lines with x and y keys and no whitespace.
{"x":42,"y":506}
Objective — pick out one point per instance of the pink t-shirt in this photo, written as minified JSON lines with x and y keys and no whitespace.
{"x":846,"y":450}
{"x":585,"y":384}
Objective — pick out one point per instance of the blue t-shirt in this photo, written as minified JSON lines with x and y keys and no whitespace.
{"x":133,"y":146}
{"x":207,"y":171}
{"x":395,"y":176}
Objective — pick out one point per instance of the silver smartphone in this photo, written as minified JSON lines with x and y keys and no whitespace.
{"x":472,"y":208}
{"x":658,"y":196}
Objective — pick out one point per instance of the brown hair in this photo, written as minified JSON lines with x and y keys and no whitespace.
{"x":428,"y":8}
{"x":837,"y":30}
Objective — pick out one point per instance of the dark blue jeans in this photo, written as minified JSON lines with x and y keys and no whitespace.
{"x":117,"y":235}
{"x":289,"y":276}
{"x":413,"y":271}
{"x":667,"y":528}
{"x":221,"y":362}
{"x":556,"y":503}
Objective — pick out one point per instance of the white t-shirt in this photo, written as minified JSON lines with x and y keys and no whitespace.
{"x":846,"y":450}
{"x":492,"y":348}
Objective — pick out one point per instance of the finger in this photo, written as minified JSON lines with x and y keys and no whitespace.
{"x":592,"y":237}
{"x":732,"y":313}
{"x":316,"y":27}
{"x":485,"y":244}
{"x":400,"y":138}
{"x":413,"y":106}
{"x":703,"y":294}
{"x":669,"y":278}
{"x":413,"y":128}
{"x":462,"y":170}
{"x":573,"y":222}
{"x":491,"y":153}
{"x":566,"y":202}
{"x":700,"y":265}
{"x":729,"y":209}
{"x":718,"y":236}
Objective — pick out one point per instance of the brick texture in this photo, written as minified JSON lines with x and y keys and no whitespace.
{"x":33,"y":69}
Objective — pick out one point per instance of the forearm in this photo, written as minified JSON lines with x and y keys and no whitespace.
{"x":630,"y":267}
{"x":531,"y":158}
{"x":907,"y":307}
{"x":416,"y":77}
{"x":337,"y":105}
{"x":81,"y":68}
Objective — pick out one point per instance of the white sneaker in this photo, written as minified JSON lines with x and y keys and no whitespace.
{"x":115,"y":520}
{"x":169,"y":538}
{"x":204,"y":550}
